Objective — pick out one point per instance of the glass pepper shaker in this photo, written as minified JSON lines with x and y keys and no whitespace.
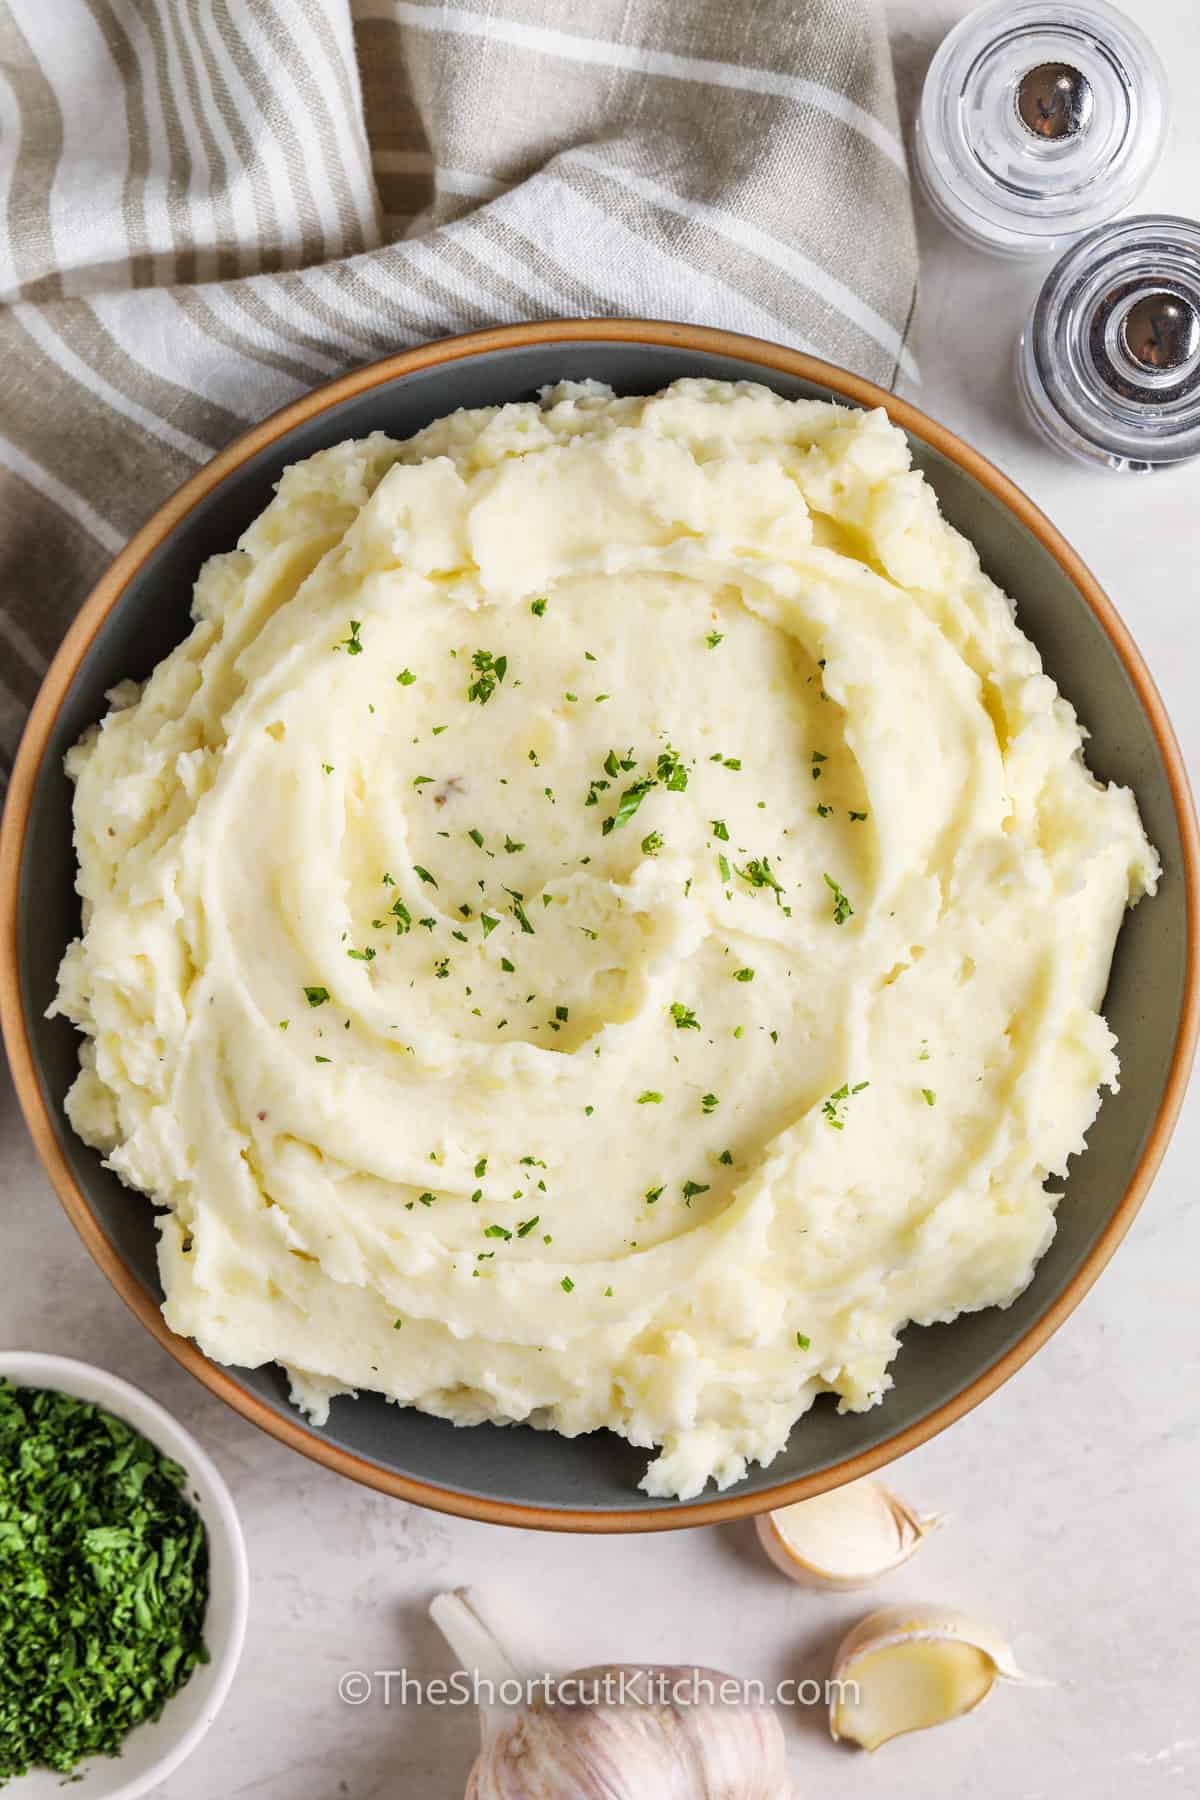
{"x":1038,"y":121}
{"x":1109,"y":363}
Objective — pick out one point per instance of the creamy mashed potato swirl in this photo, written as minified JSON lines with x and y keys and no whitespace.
{"x":601,"y":923}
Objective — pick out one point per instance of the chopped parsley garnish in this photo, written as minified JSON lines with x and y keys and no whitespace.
{"x":652,"y":843}
{"x":316,"y":996}
{"x":710,"y":1103}
{"x":714,"y":638}
{"x":692,"y":1188}
{"x":402,"y":917}
{"x":322,"y":1059}
{"x":352,"y":645}
{"x":397,"y":1324}
{"x":831,"y":1108}
{"x":685,"y":1019}
{"x":802,"y":1342}
{"x":476,"y":836}
{"x":720,"y":830}
{"x":481,"y":1168}
{"x":518,"y":910}
{"x":929,"y":1096}
{"x":671,"y":771}
{"x":743,"y":974}
{"x":489,"y":670}
{"x":511,"y":845}
{"x":425,"y":876}
{"x":758,"y":873}
{"x":842,"y":909}
{"x":649,"y":1098}
{"x":441,"y":968}
{"x":497,"y":1231}
{"x":367,"y":955}
{"x":327,"y":768}
{"x":857,"y":815}
{"x":823,"y":811}
{"x":652,"y":1195}
{"x":422,"y":780}
{"x":567,"y":1285}
{"x":537,"y":608}
{"x":489,"y":924}
{"x":726,"y":1157}
{"x":406,"y":678}
{"x":508,"y":967}
{"x":629,"y":802}
{"x":527,"y":1225}
{"x":723,"y":868}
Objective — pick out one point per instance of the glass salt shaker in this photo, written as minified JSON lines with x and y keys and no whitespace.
{"x":1038,"y":121}
{"x":1109,"y":363}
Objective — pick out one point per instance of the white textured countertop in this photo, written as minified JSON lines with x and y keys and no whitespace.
{"x":1072,"y":1490}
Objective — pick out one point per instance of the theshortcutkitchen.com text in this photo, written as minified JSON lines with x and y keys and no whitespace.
{"x":632,"y":1686}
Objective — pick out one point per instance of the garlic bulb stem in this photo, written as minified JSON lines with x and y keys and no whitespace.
{"x":474,"y":1643}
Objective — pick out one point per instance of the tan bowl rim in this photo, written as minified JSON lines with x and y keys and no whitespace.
{"x":100,"y":603}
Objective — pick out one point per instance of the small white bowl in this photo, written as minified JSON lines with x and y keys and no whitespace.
{"x":152,"y":1751}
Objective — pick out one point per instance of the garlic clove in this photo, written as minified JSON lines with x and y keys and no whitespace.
{"x":905,"y":1668}
{"x":845,"y":1538}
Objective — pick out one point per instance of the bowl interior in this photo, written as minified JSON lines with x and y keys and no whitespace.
{"x":599,"y":1473}
{"x":151,"y":1751}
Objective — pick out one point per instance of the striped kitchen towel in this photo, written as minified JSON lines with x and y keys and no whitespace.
{"x":210,"y":206}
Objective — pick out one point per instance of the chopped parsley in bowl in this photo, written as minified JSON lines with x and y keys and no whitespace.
{"x":122,"y":1583}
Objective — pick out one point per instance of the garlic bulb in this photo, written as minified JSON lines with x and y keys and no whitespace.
{"x":904,"y":1668}
{"x":621,"y":1731}
{"x":845,"y":1538}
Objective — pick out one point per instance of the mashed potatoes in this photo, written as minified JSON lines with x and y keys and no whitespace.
{"x":600,"y":924}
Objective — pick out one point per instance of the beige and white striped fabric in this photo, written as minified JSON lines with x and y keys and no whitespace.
{"x":209,"y":206}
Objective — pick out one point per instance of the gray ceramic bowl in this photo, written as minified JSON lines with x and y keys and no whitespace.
{"x":517,"y":1475}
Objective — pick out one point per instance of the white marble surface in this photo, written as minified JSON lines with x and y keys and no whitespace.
{"x":1072,"y":1490}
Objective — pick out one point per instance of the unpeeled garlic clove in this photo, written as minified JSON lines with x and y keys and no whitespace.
{"x":905,"y":1668}
{"x":845,"y":1538}
{"x":624,"y":1731}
